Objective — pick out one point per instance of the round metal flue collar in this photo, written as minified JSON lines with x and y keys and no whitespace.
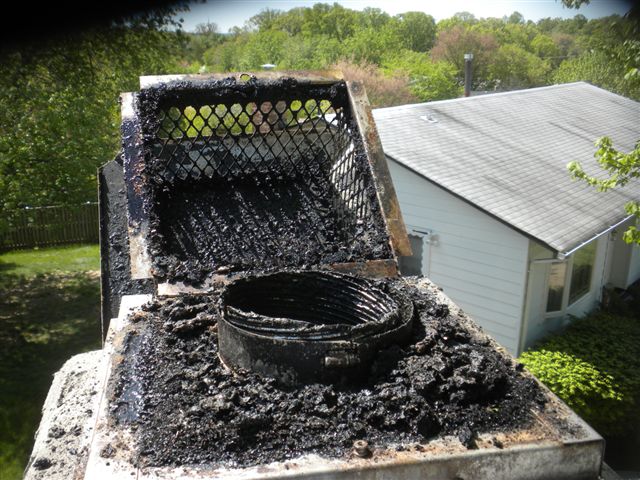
{"x":309,"y":326}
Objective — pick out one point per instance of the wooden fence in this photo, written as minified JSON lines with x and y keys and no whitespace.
{"x":48,"y":226}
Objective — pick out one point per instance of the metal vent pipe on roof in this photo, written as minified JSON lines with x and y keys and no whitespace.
{"x":468,"y":62}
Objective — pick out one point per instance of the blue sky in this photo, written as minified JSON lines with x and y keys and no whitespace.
{"x":227,"y":14}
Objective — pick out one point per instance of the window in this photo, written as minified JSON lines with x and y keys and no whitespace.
{"x":580,"y":264}
{"x":581,"y":271}
{"x":557,"y":274}
{"x":412,"y":265}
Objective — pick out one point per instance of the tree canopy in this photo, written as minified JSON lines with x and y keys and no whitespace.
{"x":613,"y":62}
{"x":59,"y":99}
{"x":59,"y":96}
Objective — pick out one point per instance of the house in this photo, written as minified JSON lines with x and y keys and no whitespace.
{"x":493,"y":215}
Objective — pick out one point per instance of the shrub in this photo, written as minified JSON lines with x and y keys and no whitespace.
{"x":382,"y":90}
{"x":604,"y":69}
{"x":428,"y":80}
{"x":594,"y":366}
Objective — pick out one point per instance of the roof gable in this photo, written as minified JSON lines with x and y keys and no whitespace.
{"x":507,"y":153}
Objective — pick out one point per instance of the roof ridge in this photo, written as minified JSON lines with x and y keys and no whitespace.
{"x":555,"y":86}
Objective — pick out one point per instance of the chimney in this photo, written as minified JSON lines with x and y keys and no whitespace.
{"x":468,"y":61}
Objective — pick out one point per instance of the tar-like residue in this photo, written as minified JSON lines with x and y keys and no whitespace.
{"x":194,"y":411}
{"x":293,"y":198}
{"x":114,"y":251}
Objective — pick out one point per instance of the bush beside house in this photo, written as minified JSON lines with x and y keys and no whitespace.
{"x":594,"y":366}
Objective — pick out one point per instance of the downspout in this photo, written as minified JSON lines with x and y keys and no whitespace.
{"x":604,"y":271}
{"x":524,"y":323}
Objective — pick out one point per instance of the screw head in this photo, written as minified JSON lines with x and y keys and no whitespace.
{"x":361,"y":448}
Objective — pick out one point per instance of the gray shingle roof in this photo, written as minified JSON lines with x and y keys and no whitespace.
{"x":507,"y":153}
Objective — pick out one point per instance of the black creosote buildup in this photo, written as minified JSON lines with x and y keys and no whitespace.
{"x":187,"y":408}
{"x":232,"y":201}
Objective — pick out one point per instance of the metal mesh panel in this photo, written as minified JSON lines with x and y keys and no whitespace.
{"x":233,"y":143}
{"x":232,"y":140}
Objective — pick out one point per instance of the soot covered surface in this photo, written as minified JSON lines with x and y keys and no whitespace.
{"x":114,"y":248}
{"x":285,"y":199}
{"x":187,"y":409}
{"x":256,"y":223}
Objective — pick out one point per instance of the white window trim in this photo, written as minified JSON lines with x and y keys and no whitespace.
{"x":565,"y":295}
{"x":565,"y":305}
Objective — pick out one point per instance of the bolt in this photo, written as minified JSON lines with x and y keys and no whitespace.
{"x":361,"y":448}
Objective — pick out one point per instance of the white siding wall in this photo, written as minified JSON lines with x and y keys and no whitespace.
{"x":626,"y":260}
{"x":479,"y":262}
{"x":536,"y":323}
{"x":634,"y":265}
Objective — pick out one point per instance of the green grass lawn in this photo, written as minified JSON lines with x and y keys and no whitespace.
{"x":79,"y":258}
{"x":49,"y":311}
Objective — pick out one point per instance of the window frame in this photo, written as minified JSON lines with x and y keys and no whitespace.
{"x":568,"y":276}
{"x":554,"y":313}
{"x":581,"y":295}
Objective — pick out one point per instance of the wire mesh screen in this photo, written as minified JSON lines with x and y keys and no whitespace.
{"x":278,"y":176}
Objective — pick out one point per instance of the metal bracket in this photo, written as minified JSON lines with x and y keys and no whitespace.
{"x":137,"y":208}
{"x":381,"y":175}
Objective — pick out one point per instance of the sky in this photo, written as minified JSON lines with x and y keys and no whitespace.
{"x":226,"y":13}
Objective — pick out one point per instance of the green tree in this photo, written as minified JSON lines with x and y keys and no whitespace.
{"x":418,"y":30}
{"x":428,"y":80}
{"x":332,"y":20}
{"x":513,"y":67}
{"x":266,"y":19}
{"x":621,"y":169}
{"x":310,"y":53}
{"x":370,"y":44}
{"x":606,"y":69}
{"x":291,"y":21}
{"x":206,"y":36}
{"x":544,"y":47}
{"x":266,"y":46}
{"x":465,"y":19}
{"x":516,"y":18}
{"x":225,"y":57}
{"x":575,"y":3}
{"x":373,"y":17}
{"x":549,"y":25}
{"x":60,"y":113}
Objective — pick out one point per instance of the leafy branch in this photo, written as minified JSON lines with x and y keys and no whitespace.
{"x":621,"y":168}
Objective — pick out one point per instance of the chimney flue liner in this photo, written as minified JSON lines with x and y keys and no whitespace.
{"x":309,"y":326}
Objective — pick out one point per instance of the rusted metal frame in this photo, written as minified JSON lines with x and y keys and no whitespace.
{"x":318,"y":77}
{"x":137,"y":201}
{"x":381,"y":176}
{"x":103,"y":239}
{"x":369,"y":268}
